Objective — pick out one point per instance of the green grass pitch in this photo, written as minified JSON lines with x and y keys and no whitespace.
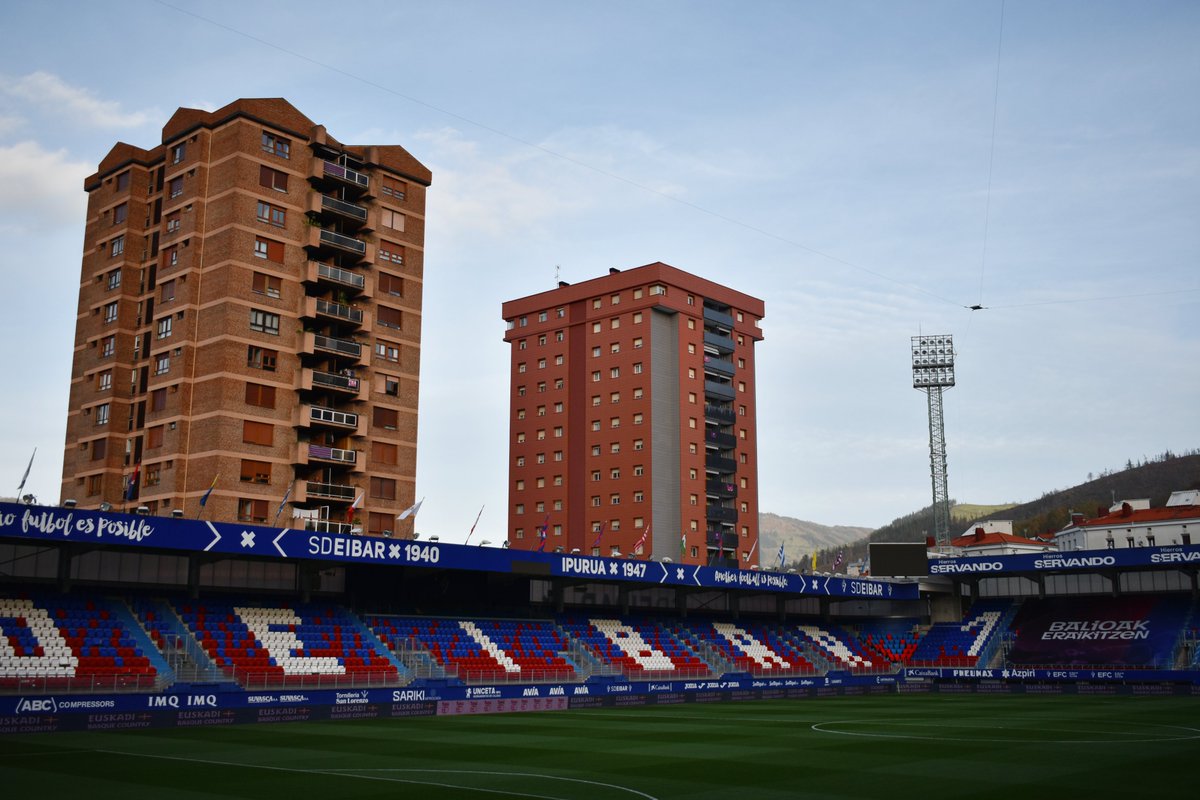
{"x":899,"y":747}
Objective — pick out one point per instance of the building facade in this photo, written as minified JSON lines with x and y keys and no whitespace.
{"x":247,"y":344}
{"x":632,"y":424}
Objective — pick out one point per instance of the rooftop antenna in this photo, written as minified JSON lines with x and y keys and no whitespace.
{"x":933,"y":371}
{"x":556,"y":277}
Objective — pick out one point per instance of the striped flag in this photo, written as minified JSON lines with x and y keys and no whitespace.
{"x":542,"y":534}
{"x":641,"y":542}
{"x":837,"y":562}
{"x":132,"y":481}
{"x":25,"y":477}
{"x":600,"y":535}
{"x":283,"y":502}
{"x":476,"y":522}
{"x":781,"y":557}
{"x":211,"y":486}
{"x":353,"y":507}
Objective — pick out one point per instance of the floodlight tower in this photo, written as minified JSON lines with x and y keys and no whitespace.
{"x":933,"y":371}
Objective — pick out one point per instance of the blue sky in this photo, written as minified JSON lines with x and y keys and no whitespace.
{"x":857,"y":165}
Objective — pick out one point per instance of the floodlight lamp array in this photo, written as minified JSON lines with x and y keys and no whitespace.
{"x":932,"y":361}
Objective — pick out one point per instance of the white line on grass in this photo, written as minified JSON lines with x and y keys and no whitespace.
{"x":487,"y":772}
{"x":340,"y":773}
{"x":819,"y":728}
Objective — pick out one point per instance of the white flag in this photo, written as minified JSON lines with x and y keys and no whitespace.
{"x":411,"y":511}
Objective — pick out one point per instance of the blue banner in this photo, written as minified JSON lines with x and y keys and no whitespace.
{"x":1073,"y":561}
{"x":129,"y":530}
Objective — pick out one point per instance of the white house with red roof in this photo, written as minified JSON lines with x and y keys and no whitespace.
{"x":994,"y":537}
{"x":1133,"y":523}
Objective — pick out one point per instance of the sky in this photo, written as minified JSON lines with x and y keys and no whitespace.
{"x":869,"y":169}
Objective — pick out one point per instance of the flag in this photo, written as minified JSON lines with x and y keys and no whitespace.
{"x":131,"y":483}
{"x":837,"y":562}
{"x":641,"y":542}
{"x":411,"y":511}
{"x":25,"y":477}
{"x":781,"y":556}
{"x":211,"y":486}
{"x":353,"y":507}
{"x":682,"y":546}
{"x":600,"y":535}
{"x":283,"y":502}
{"x":814,"y":562}
{"x":476,"y":522}
{"x":542,"y":534}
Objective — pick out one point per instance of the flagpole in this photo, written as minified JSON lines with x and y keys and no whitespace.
{"x":477,"y":516}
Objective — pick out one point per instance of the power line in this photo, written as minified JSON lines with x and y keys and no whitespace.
{"x":987,"y":208}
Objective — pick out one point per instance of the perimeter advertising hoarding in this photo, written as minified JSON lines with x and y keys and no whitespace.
{"x":62,"y":525}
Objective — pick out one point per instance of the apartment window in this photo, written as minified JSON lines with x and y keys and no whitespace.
{"x":104,"y":381}
{"x":520,"y":391}
{"x":118,"y":245}
{"x":615,"y":348}
{"x":272,"y":179}
{"x":388,"y":351}
{"x":268,"y":249}
{"x":114,"y":279}
{"x":385,"y":453}
{"x":102,"y":414}
{"x":741,"y":411}
{"x":162,"y":364}
{"x":615,"y":473}
{"x":691,"y":349}
{"x":276,"y":145}
{"x":614,"y":499}
{"x":558,"y":455}
{"x":595,"y":327}
{"x":256,"y":471}
{"x":615,"y":447}
{"x":123,"y":182}
{"x":386,"y":418}
{"x":542,"y":340}
{"x":110,"y":312}
{"x":520,"y":413}
{"x":637,"y":368}
{"x":269,"y":285}
{"x":164,"y":327}
{"x":261,"y":358}
{"x":520,"y":461}
{"x":541,"y":387}
{"x":595,"y":425}
{"x":258,"y":432}
{"x":154,"y":436}
{"x":595,"y":400}
{"x":541,"y":458}
{"x":120,"y":213}
{"x":250,"y":510}
{"x":558,"y":432}
{"x":558,"y":480}
{"x":637,"y":343}
{"x":175,"y":187}
{"x":596,"y":301}
{"x":741,"y":386}
{"x":388,"y":317}
{"x":637,"y":394}
{"x":639,"y":497}
{"x":692,"y":398}
{"x":637,"y":419}
{"x":99,"y":449}
{"x":392,"y":188}
{"x":391,"y":385}
{"x":558,"y":383}
{"x":272,"y":215}
{"x":541,"y":363}
{"x":615,"y":372}
{"x":178,"y":152}
{"x":558,"y":407}
{"x":383,"y":488}
{"x":558,"y":360}
{"x":614,"y":323}
{"x":391,"y":253}
{"x":520,"y":486}
{"x":614,"y":398}
{"x":615,"y":299}
{"x":391,"y":219}
{"x":596,"y":351}
{"x":559,"y":335}
{"x":521,"y":438}
{"x":693,"y":499}
{"x":391,"y":284}
{"x":637,"y":317}
{"x":166,"y":291}
{"x":595,"y":501}
{"x":174,"y":222}
{"x":639,"y":470}
{"x":153,"y":474}
{"x":264,"y":322}
{"x":614,"y":422}
{"x":541,"y":316}
{"x":638,"y":444}
{"x":741,"y":362}
{"x":595,"y":475}
{"x":691,"y":324}
{"x":259,"y":395}
{"x":170,"y":256}
{"x":595,"y":449}
{"x":158,"y":400}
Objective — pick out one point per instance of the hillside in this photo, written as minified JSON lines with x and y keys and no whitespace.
{"x":1154,"y":479}
{"x":800,"y":537}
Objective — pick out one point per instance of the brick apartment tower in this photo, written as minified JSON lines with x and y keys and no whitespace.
{"x":250,"y":314}
{"x":633,"y":416}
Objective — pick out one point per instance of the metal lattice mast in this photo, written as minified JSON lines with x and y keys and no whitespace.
{"x":933,"y":371}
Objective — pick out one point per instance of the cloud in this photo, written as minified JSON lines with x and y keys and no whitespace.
{"x":48,"y":91}
{"x":40,"y":189}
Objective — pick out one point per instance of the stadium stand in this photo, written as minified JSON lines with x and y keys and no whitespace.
{"x":63,"y":642}
{"x":280,"y":646}
{"x":757,"y":649}
{"x":840,"y":648}
{"x":961,"y":644}
{"x":892,"y":640}
{"x":636,"y":648}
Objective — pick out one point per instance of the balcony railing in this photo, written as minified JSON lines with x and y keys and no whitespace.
{"x":720,"y":464}
{"x":722,"y":343}
{"x":722,"y":440}
{"x":339,"y":310}
{"x":721,"y":514}
{"x":341,"y":276}
{"x":721,"y":391}
{"x":719,"y":413}
{"x":331,"y":417}
{"x":325,"y":526}
{"x":723,"y":539}
{"x":718,"y":366}
{"x":331,"y":344}
{"x":353,"y":177}
{"x":718,"y":317}
{"x":720,"y":488}
{"x":342,"y":207}
{"x":330,"y":491}
{"x":332,"y":454}
{"x":341,"y":240}
{"x":344,"y":382}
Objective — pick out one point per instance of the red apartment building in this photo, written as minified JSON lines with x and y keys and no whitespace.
{"x":249,"y":325}
{"x":632,"y":420}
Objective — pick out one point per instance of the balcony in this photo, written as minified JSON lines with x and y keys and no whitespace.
{"x":719,"y":391}
{"x":720,"y":465}
{"x":723,"y":539}
{"x":719,"y":488}
{"x":724,"y":441}
{"x":318,"y":343}
{"x":718,"y":366}
{"x":340,"y":241}
{"x":722,"y":343}
{"x":721,"y":514}
{"x":712,"y":316}
{"x":338,"y":492}
{"x":339,"y":311}
{"x":327,"y":207}
{"x":343,"y":279}
{"x":344,"y":175}
{"x":331,"y":380}
{"x":719,"y":413}
{"x":334,"y":454}
{"x":325,"y":526}
{"x":330,"y":418}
